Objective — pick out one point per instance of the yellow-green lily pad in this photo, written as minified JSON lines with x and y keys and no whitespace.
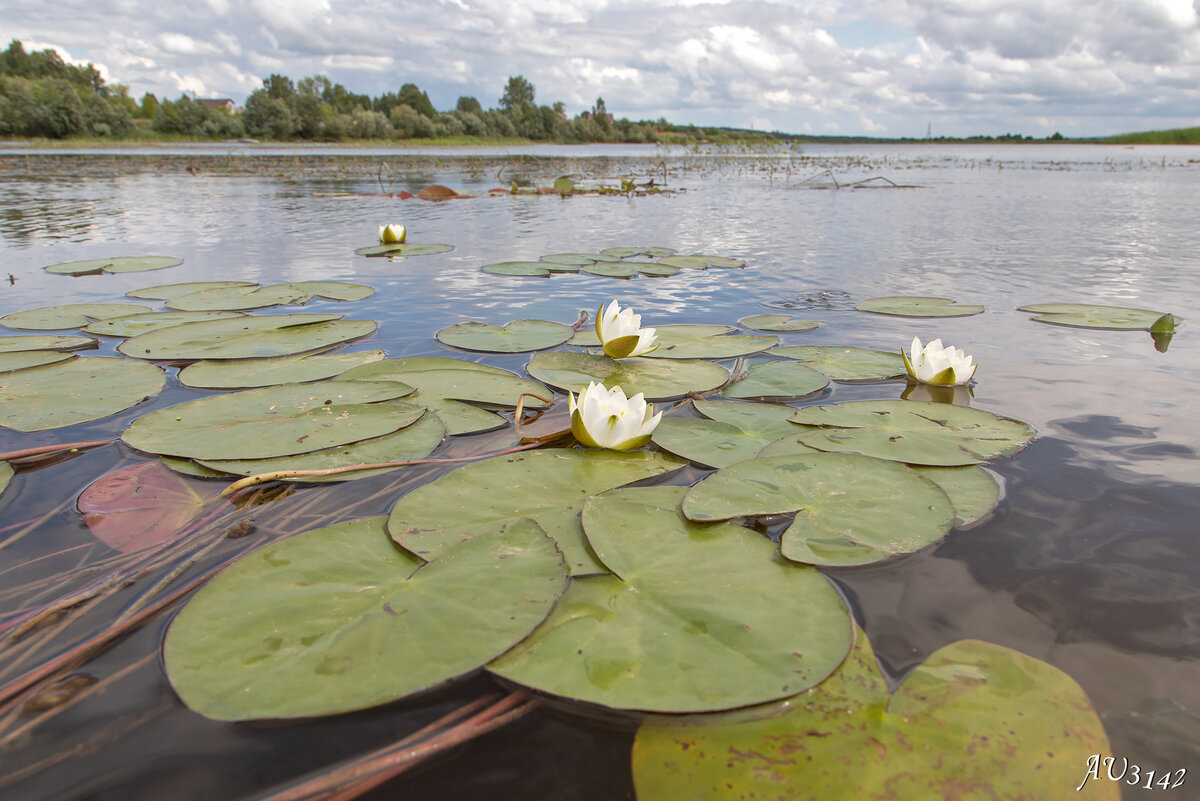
{"x":533,"y":269}
{"x":71,"y":315}
{"x":130,"y":325}
{"x":732,"y":431}
{"x":777,"y":379}
{"x":518,"y":336}
{"x":780,"y":323}
{"x":119,"y":264}
{"x":404,"y":249}
{"x":168,"y":291}
{"x":25,"y":359}
{"x":248,"y":373}
{"x":657,"y":379}
{"x":45,"y":342}
{"x":1090,"y":315}
{"x":701,"y":261}
{"x":246,"y":337}
{"x":917,"y":306}
{"x":630,"y":252}
{"x":75,"y":391}
{"x":846,"y":363}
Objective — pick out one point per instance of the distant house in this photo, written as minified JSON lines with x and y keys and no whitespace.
{"x":220,"y":102}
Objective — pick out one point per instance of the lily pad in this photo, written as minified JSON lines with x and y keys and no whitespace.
{"x":732,"y":433}
{"x":517,"y":336}
{"x":71,"y":315}
{"x":657,"y":379}
{"x":974,"y":721}
{"x":578,"y":259}
{"x":653,"y":269}
{"x":610,"y":270}
{"x":537,"y":269}
{"x":246,"y":373}
{"x":700,"y":261}
{"x":777,"y":379}
{"x":548,"y":486}
{"x":274,"y":421}
{"x":339,"y":619}
{"x":850,"y":510}
{"x":168,"y":291}
{"x":45,"y":342}
{"x":140,"y":506}
{"x":973,"y":491}
{"x":706,"y":342}
{"x":22,"y":360}
{"x":414,"y":441}
{"x":698,"y":617}
{"x":6,"y":474}
{"x":246,"y":337}
{"x":1084,"y":315}
{"x":630,"y":252}
{"x":916,"y":306}
{"x":120,"y":264}
{"x":777,"y":322}
{"x":247,"y":298}
{"x":914,"y":432}
{"x":846,"y":363}
{"x":74,"y":391}
{"x":130,"y":325}
{"x":404,"y":249}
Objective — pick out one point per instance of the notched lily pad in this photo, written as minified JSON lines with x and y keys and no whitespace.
{"x":846,"y":363}
{"x":1085,"y":315}
{"x":578,"y":259}
{"x":850,"y":510}
{"x":699,"y":617}
{"x":630,"y":252}
{"x":706,"y":342}
{"x":130,"y":325}
{"x":168,"y":291}
{"x":917,"y":306}
{"x":339,"y":619}
{"x":518,"y":336}
{"x":973,"y":491}
{"x":119,"y":264}
{"x":404,"y":249}
{"x":533,"y":269}
{"x":701,"y":261}
{"x":45,"y":342}
{"x":246,"y":337}
{"x":71,"y":315}
{"x":657,"y":379}
{"x":248,"y":373}
{"x":254,"y":297}
{"x":781,"y":323}
{"x":777,"y":379}
{"x":732,"y":432}
{"x":74,"y":391}
{"x":25,"y":359}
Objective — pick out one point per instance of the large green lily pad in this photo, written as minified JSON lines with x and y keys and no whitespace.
{"x":777,"y":379}
{"x":850,"y":510}
{"x":274,"y":421}
{"x":404,"y":249}
{"x":538,"y":269}
{"x":917,"y":306}
{"x":706,"y":342}
{"x":846,"y":363}
{"x":610,"y":270}
{"x":24,"y":359}
{"x":120,"y":264}
{"x":517,"y":336}
{"x":168,"y":291}
{"x":700,"y":261}
{"x":974,"y":722}
{"x":71,"y":315}
{"x":246,"y":337}
{"x":777,"y":322}
{"x":129,"y":325}
{"x":46,"y":342}
{"x":1088,"y":315}
{"x":340,"y":619}
{"x":698,"y":617}
{"x":74,"y":391}
{"x":246,"y":298}
{"x":915,"y":432}
{"x":414,"y":441}
{"x":732,"y":433}
{"x":657,"y":379}
{"x":548,"y":486}
{"x":578,"y":259}
{"x":973,"y":491}
{"x":245,"y":373}
{"x":629,"y":252}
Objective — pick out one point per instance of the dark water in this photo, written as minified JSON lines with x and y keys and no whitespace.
{"x":1091,"y":562}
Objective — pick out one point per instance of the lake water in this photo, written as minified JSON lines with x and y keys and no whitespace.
{"x":1091,"y":562}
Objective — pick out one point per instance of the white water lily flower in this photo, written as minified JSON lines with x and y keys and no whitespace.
{"x":605,"y":418}
{"x":937,"y":365}
{"x":621,"y":334}
{"x":392,"y":234}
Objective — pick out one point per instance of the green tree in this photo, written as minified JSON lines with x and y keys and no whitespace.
{"x":279,"y":87}
{"x":268,"y":117}
{"x":519,"y":92}
{"x":410,"y":94}
{"x":468,"y":105}
{"x":148,"y":106}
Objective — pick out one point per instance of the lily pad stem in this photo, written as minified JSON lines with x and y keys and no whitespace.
{"x":521,"y":404}
{"x":43,"y":450}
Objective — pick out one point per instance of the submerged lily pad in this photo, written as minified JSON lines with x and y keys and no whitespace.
{"x":657,"y":379}
{"x":777,"y":379}
{"x":917,"y":306}
{"x":974,"y":721}
{"x":698,"y":617}
{"x":706,"y":342}
{"x":630,"y":252}
{"x":846,"y":363}
{"x":777,"y":322}
{"x":168,"y":291}
{"x":45,"y":342}
{"x":274,"y":421}
{"x":129,"y":325}
{"x":732,"y":433}
{"x":1085,"y":315}
{"x":246,"y":337}
{"x":404,"y":249}
{"x":72,"y":315}
{"x":120,"y":264}
{"x":74,"y":391}
{"x":517,"y":336}
{"x":246,"y":373}
{"x":700,"y":261}
{"x":548,"y":486}
{"x":24,"y":359}
{"x":915,"y":432}
{"x":535,"y":269}
{"x":850,"y":510}
{"x":339,"y":619}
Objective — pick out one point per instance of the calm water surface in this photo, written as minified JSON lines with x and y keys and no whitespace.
{"x":1091,"y":562}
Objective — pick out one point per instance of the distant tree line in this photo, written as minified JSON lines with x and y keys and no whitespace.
{"x":42,"y":96}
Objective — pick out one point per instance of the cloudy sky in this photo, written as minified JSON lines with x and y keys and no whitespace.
{"x":872,"y":67}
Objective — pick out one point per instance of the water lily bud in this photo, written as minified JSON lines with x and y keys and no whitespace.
{"x":621,"y":334}
{"x":937,"y":365}
{"x":605,"y":418}
{"x":392,"y":234}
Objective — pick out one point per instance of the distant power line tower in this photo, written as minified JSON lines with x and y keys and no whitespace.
{"x":929,"y":130}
